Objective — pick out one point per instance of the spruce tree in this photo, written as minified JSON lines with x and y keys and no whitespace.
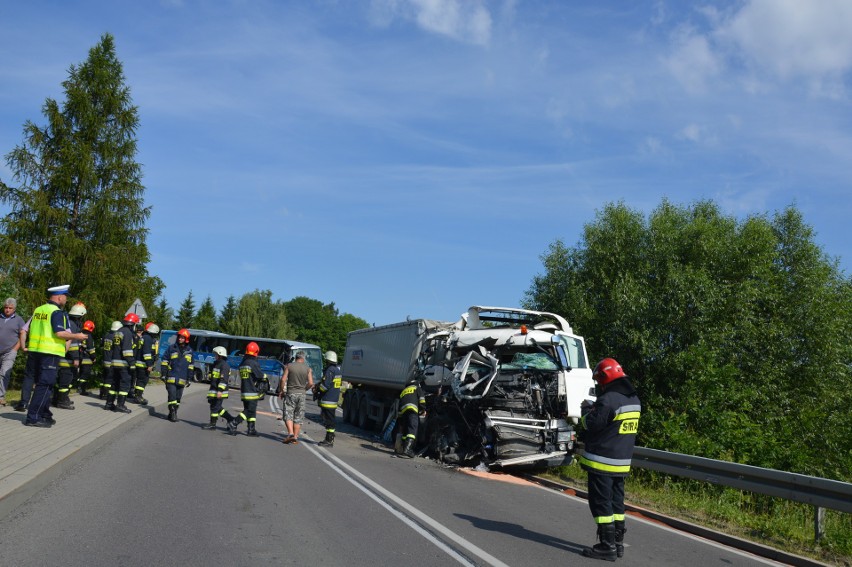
{"x":186,"y":312}
{"x":77,"y":214}
{"x":205,"y":318}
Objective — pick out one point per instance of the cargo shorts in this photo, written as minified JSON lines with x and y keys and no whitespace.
{"x":294,"y":407}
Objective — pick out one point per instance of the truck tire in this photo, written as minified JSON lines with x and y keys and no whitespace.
{"x":363,"y":410}
{"x":352,"y":401}
{"x":347,"y":407}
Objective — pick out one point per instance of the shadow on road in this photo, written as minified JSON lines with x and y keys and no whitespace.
{"x":521,"y":532}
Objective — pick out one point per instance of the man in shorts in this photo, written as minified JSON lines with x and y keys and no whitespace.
{"x":297,"y":379}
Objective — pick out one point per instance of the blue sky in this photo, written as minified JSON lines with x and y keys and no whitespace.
{"x":414,"y":157}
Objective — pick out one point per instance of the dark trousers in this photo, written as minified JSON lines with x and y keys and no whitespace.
{"x":215,"y":406}
{"x":606,"y":497}
{"x":141,"y":379}
{"x":46,"y":371}
{"x":408,"y":423}
{"x":120,"y":381}
{"x":29,"y":379}
{"x":84,"y":376}
{"x":249,"y":412}
{"x":175,"y":392}
{"x":328,"y":418}
{"x":67,"y":373}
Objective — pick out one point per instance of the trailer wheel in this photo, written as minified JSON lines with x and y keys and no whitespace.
{"x":347,"y":408}
{"x":363,"y":411}
{"x":352,"y":401}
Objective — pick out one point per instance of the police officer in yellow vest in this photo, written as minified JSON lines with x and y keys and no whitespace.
{"x":49,"y":331}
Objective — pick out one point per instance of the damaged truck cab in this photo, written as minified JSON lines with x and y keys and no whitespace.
{"x":504,"y":385}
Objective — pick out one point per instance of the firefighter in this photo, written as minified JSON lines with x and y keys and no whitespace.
{"x":411,"y":405}
{"x":106,"y":376}
{"x":138,"y":366}
{"x":179,"y":368}
{"x":251,"y":377}
{"x":87,"y":351}
{"x":218,"y":392}
{"x":610,"y":424}
{"x":123,"y":363}
{"x":150,"y":347}
{"x":69,"y":364}
{"x":327,"y":394}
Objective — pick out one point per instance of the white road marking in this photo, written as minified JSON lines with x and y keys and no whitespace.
{"x":373,"y":490}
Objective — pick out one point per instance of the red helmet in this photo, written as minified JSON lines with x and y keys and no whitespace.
{"x":183,"y":333}
{"x":89,"y":326}
{"x":131,"y":318}
{"x":252,"y":349}
{"x":608,"y":370}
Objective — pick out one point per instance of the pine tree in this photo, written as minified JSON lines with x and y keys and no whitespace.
{"x":227,"y":315}
{"x":78,"y":215}
{"x":186,"y":312}
{"x":206,"y":316}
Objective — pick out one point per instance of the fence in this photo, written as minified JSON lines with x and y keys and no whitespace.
{"x":820,"y":493}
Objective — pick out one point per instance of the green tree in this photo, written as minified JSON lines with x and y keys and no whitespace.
{"x":258,"y":316}
{"x":735,"y":332}
{"x":226,"y":318}
{"x":206,"y":316}
{"x":162,"y":314}
{"x":77,"y":214}
{"x":321,"y":324}
{"x":186,"y":312}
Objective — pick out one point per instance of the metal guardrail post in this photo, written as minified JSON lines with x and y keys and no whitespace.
{"x":819,"y":523}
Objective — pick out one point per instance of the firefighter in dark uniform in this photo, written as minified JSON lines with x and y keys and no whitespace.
{"x":218,"y":392}
{"x":150,"y":348}
{"x":178,"y":371}
{"x":49,"y":329}
{"x":327,"y":394}
{"x":411,"y":404}
{"x":123,"y":363}
{"x":69,"y":365}
{"x":88,"y":352}
{"x":251,"y":378}
{"x":610,"y":424}
{"x":138,"y":369}
{"x":106,"y":376}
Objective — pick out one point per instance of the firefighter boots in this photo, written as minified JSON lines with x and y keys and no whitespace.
{"x":252,"y":432}
{"x":63,"y":401}
{"x":328,"y":441}
{"x":212,"y":424}
{"x":104,"y":392}
{"x":120,"y":406}
{"x":233,"y":423}
{"x":172,"y":414}
{"x":408,"y":448}
{"x":110,"y":402}
{"x":620,"y":530}
{"x":604,"y":550}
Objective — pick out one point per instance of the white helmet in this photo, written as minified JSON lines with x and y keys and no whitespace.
{"x":78,"y":310}
{"x":220,"y":350}
{"x":116,"y":325}
{"x":331,"y":356}
{"x":153,"y":329}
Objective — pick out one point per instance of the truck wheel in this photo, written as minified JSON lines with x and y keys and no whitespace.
{"x":363,"y":411}
{"x":347,"y":408}
{"x":352,"y":402}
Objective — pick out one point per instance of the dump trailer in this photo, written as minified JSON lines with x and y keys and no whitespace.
{"x":504,"y":385}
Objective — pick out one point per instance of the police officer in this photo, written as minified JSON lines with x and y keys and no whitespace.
{"x":150,"y":347}
{"x":123,"y":363}
{"x":251,"y":378}
{"x":106,"y":376}
{"x":610,"y":424}
{"x":327,"y":393}
{"x":49,"y":329}
{"x":87,"y":360}
{"x":218,"y":392}
{"x":411,"y":405}
{"x":179,"y":367}
{"x":69,"y":365}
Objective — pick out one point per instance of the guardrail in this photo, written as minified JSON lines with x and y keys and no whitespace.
{"x":820,"y":493}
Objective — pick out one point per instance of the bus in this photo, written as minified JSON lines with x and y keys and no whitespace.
{"x":274,"y":354}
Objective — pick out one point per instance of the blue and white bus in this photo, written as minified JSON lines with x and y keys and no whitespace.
{"x":274,"y":354}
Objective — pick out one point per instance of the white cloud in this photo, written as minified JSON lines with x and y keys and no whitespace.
{"x":463,"y":20}
{"x":793,"y":38}
{"x":692,"y":61}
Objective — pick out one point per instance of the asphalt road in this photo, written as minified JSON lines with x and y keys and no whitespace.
{"x":173,"y":494}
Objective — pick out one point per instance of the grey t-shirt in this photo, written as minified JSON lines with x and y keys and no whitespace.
{"x":297,"y":377}
{"x":10,"y":332}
